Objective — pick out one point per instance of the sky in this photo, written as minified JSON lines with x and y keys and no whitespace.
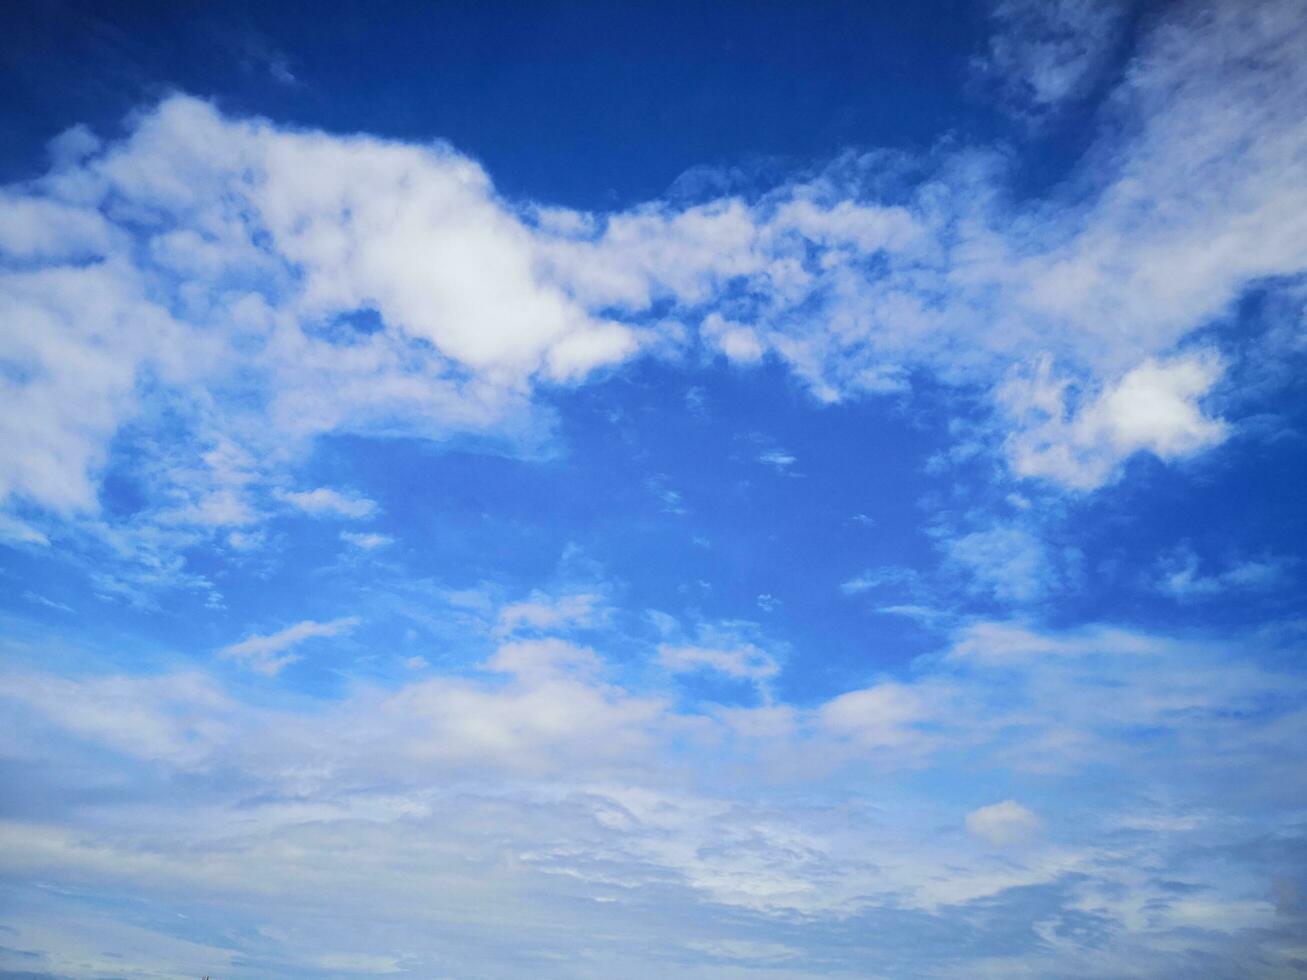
{"x":586,"y":490}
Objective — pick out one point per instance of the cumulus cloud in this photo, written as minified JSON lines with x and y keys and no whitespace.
{"x":236,"y":260}
{"x":266,"y":654}
{"x":1002,"y":823}
{"x":1154,"y":407}
{"x":272,"y":285}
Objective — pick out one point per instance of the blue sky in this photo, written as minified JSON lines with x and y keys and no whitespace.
{"x":591,"y":490}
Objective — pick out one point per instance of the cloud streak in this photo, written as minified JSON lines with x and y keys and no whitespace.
{"x":268,"y":654}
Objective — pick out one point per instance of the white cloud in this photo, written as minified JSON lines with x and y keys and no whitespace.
{"x":1179,"y":575}
{"x":1002,"y":823}
{"x":1153,"y":407}
{"x":888,"y":715}
{"x":14,"y":531}
{"x":544,"y":785}
{"x":228,"y":278}
{"x":1007,"y":561}
{"x":178,"y":718}
{"x":325,"y":502}
{"x":261,"y":653}
{"x":777,"y":458}
{"x":875,"y":578}
{"x":745,"y":662}
{"x":368,"y":542}
{"x":545,"y":613}
{"x":1045,"y":52}
{"x":246,"y":540}
{"x":49,"y":603}
{"x":228,"y":261}
{"x":1007,"y":642}
{"x":737,"y":342}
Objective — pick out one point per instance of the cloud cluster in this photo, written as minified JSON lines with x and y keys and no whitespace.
{"x":256,"y":286}
{"x":542,"y":790}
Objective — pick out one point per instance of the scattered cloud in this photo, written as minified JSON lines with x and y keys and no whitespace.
{"x":1179,"y":575}
{"x":40,"y":600}
{"x":1044,"y":53}
{"x":204,"y":304}
{"x":1099,"y":286}
{"x":325,"y":502}
{"x":583,"y":781}
{"x":370,"y":541}
{"x":876,"y":578}
{"x":777,"y":458}
{"x":1153,"y":407}
{"x":542,"y":612}
{"x":672,"y":500}
{"x":267,"y":654}
{"x":745,"y":662}
{"x":1008,"y":561}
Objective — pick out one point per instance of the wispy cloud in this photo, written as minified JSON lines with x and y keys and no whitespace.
{"x":1044,"y":54}
{"x":325,"y":502}
{"x":369,"y":541}
{"x":745,"y":662}
{"x":777,"y":458}
{"x":1179,"y":574}
{"x":267,"y":654}
{"x":541,"y":612}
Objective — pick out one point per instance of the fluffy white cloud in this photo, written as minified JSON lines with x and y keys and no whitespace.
{"x":209,"y":281}
{"x":225,"y":271}
{"x":1154,"y":407}
{"x":1007,"y":822}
